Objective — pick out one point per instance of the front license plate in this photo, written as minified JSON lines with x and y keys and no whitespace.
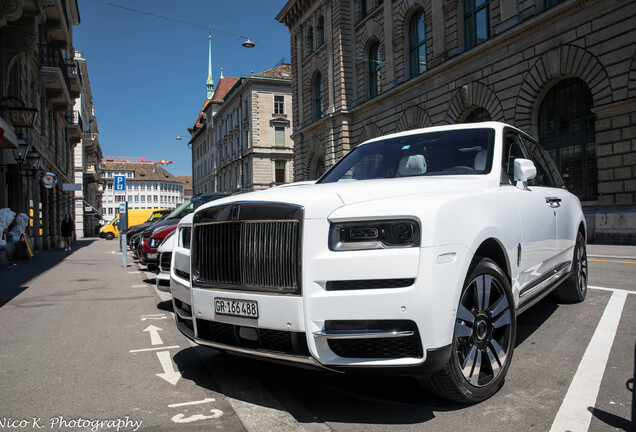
{"x":242,"y":308}
{"x":152,"y":255}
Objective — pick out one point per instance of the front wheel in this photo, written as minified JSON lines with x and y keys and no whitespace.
{"x":109,"y":236}
{"x":484,"y":337}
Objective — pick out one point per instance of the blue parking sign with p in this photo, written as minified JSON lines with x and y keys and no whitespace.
{"x":119,"y":183}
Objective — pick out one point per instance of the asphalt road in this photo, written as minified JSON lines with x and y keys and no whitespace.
{"x":89,"y":345}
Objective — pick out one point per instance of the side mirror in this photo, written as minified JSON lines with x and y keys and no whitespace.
{"x":524,"y":171}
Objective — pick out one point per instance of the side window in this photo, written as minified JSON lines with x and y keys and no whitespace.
{"x":513,"y":149}
{"x":547,"y":172}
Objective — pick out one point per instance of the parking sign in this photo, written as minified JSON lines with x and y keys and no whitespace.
{"x":119,"y":183}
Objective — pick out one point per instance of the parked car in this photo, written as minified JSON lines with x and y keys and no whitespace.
{"x":414,"y":254}
{"x":135,"y":216}
{"x":149,"y":254}
{"x":172,"y":219}
{"x":163,"y":265}
{"x":157,"y":216}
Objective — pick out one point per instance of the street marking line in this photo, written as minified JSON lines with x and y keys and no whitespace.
{"x":574,"y":414}
{"x":611,"y":289}
{"x":155,"y":339}
{"x":154,"y":349}
{"x":138,"y":286}
{"x":204,"y":401}
{"x":608,"y":261}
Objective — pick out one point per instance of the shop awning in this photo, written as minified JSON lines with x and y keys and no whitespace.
{"x":7,"y":136}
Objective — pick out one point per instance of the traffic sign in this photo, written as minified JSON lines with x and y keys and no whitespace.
{"x":119,"y":182}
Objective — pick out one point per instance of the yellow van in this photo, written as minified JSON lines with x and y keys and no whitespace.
{"x":135,"y":217}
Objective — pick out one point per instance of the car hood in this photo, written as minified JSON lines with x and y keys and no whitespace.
{"x":320,"y":200}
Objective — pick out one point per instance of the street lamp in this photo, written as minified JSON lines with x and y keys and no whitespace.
{"x":34,"y":159}
{"x":248,"y":43}
{"x":20,"y":154}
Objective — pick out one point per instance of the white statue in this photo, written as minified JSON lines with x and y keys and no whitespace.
{"x":6,"y":217}
{"x":21,"y":222}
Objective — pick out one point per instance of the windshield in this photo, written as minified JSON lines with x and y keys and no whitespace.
{"x":189,"y":206}
{"x":452,"y":152}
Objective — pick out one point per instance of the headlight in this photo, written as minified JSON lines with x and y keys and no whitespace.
{"x":184,"y":237}
{"x":374,"y":235}
{"x":154,"y":243}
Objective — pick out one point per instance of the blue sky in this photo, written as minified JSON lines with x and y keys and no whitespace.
{"x":148,"y":75}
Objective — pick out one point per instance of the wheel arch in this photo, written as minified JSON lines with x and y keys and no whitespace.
{"x":492,"y":249}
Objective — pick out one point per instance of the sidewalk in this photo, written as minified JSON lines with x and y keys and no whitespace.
{"x":611,"y":251}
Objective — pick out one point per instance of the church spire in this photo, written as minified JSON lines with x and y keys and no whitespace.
{"x":210,"y":84}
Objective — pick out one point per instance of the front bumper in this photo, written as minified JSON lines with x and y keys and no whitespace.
{"x":358,"y":326}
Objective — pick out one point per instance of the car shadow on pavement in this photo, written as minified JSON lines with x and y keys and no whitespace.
{"x":16,"y":276}
{"x":532,"y":319}
{"x":316,"y":396}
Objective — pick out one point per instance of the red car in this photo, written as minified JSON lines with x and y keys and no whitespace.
{"x":149,"y":254}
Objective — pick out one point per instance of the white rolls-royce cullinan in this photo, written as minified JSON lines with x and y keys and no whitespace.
{"x":414,"y":254}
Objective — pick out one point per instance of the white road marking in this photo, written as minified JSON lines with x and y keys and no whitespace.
{"x":180,"y":418}
{"x":155,"y":339}
{"x":575,"y":414}
{"x":169,"y":374}
{"x":612,"y":289}
{"x":204,"y":401}
{"x":153,"y":349}
{"x":138,"y":286}
{"x":153,"y":317}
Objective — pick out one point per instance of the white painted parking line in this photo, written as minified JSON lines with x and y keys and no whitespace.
{"x":204,"y":401}
{"x":575,"y":413}
{"x":138,"y":286}
{"x":611,"y":289}
{"x":154,"y":349}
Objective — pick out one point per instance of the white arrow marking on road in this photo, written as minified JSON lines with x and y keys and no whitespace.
{"x":155,"y":339}
{"x":169,"y":374}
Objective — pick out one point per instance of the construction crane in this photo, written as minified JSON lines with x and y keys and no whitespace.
{"x":135,"y":160}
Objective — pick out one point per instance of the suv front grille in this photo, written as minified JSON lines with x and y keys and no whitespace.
{"x":248,"y":252}
{"x":164,"y":261}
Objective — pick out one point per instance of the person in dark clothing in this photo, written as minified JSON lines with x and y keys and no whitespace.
{"x":67,"y":231}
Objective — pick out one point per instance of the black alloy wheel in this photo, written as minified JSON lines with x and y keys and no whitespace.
{"x":484,"y":337}
{"x":574,"y":288}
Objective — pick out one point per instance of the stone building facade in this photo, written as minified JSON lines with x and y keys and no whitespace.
{"x":87,"y":159}
{"x":250,"y":133}
{"x":38,"y":71}
{"x":563,"y":71}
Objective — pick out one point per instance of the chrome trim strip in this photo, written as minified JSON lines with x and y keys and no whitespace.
{"x":259,"y":353}
{"x":557,"y":273}
{"x":377,"y":334}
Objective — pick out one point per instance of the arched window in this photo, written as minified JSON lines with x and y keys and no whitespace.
{"x":478,"y":115}
{"x":375,"y":77}
{"x":317,"y":96}
{"x":417,"y":43}
{"x":317,"y":167}
{"x":321,"y":31}
{"x":566,"y":131}
{"x":310,"y":40}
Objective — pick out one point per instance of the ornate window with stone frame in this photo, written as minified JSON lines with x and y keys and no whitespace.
{"x":417,"y":43}
{"x":374,"y":70}
{"x":476,"y":22}
{"x":317,"y":97}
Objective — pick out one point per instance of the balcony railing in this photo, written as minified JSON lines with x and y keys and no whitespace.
{"x":52,"y":57}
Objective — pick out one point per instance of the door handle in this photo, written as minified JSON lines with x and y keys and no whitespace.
{"x":553,"y":202}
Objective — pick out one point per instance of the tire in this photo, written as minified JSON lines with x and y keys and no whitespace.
{"x":483,"y":340}
{"x":109,"y":236}
{"x":574,"y":288}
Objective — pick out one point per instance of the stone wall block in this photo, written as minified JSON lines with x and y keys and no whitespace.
{"x":624,"y":199}
{"x":609,"y":162}
{"x":610,"y":187}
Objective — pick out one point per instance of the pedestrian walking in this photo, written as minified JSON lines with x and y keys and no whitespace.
{"x":67,"y":231}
